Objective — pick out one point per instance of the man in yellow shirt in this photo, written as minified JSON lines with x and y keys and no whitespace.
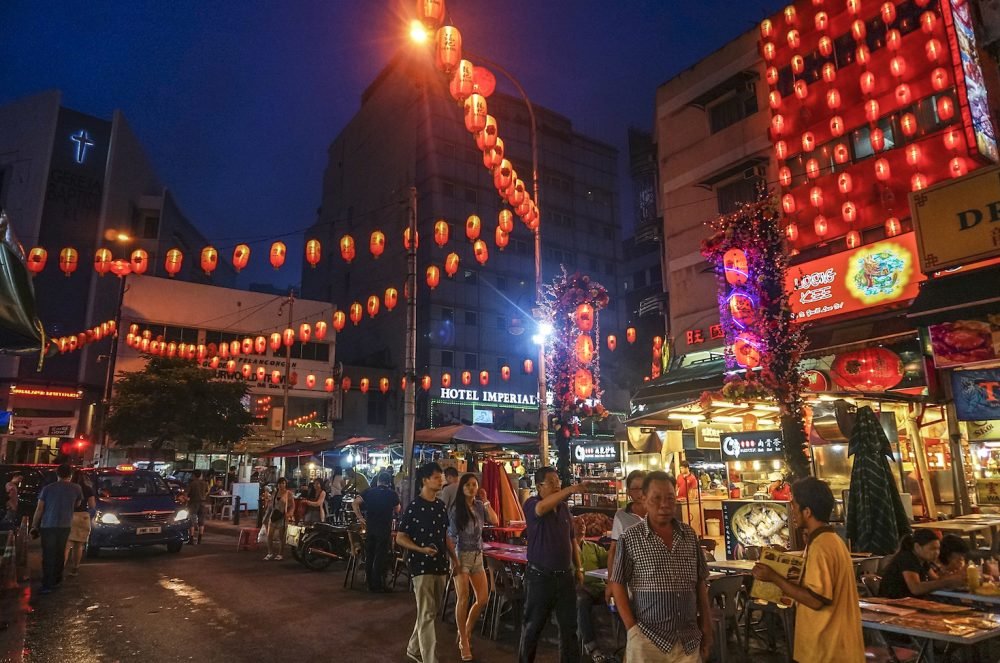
{"x":827,"y":615}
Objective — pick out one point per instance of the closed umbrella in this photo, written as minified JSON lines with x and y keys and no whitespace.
{"x":875,"y":516}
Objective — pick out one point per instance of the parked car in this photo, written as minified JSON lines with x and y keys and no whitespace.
{"x":35,"y":476}
{"x":135,"y":508}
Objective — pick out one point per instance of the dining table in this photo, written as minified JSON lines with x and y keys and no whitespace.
{"x":924,"y":638}
{"x":731,"y":565}
{"x":967,"y":597}
{"x":510,"y":553}
{"x":968,"y":525}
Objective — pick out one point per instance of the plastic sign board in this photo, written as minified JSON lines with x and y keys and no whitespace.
{"x":983,"y":431}
{"x":988,"y":491}
{"x":596,"y":453}
{"x":873,"y":275}
{"x":976,"y":394}
{"x":958,"y":222}
{"x":752,"y":445}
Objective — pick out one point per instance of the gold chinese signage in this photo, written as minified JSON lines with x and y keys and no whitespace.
{"x":987,"y":491}
{"x":958,"y":222}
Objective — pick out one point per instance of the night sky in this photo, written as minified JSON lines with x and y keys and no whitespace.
{"x":237,"y":101}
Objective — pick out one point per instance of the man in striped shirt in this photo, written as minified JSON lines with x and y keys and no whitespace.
{"x":659,"y":562}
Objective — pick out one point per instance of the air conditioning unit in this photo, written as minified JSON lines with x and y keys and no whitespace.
{"x":755,"y":172}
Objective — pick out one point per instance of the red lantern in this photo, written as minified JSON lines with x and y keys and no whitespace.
{"x":275,"y":342}
{"x":893,"y":227}
{"x":480,"y":251}
{"x":314,"y":252}
{"x":741,"y":308}
{"x":277,"y":255}
{"x":893,"y":40}
{"x":261,"y":373}
{"x":230,"y":367}
{"x":328,"y":384}
{"x":376,"y":244}
{"x":305,"y":332}
{"x":505,"y":221}
{"x":484,"y":378}
{"x":801,"y":89}
{"x":735,"y":266}
{"x":808,"y":142}
{"x":928,"y":22}
{"x":430,"y":12}
{"x":383,"y":385}
{"x":241,"y":256}
{"x":840,"y":153}
{"x":897,"y":65}
{"x":363,"y":385}
{"x":863,"y":54}
{"x":246,"y":370}
{"x":945,"y":108}
{"x":320,"y":330}
{"x":630,"y":335}
{"x":528,"y":366}
{"x":391,"y":297}
{"x":845,"y":183}
{"x":957,"y":167}
{"x":487,"y":138}
{"x":933,"y":50}
{"x":939,"y":79}
{"x":953,"y":139}
{"x":888,"y":11}
{"x":868,"y":370}
{"x":745,"y":351}
{"x":777,"y":124}
{"x":345,"y":384}
{"x":830,"y":75}
{"x":466,"y":378}
{"x":853,"y":239}
{"x":475,"y":113}
{"x":139,"y":261}
{"x":583,"y":383}
{"x":584,"y":317}
{"x":433,"y":276}
{"x":172,"y":263}
{"x":446,"y":380}
{"x":260,"y":345}
{"x":461,"y":85}
{"x":339,"y":321}
{"x":347,"y":250}
{"x":785,"y":176}
{"x":812,"y":169}
{"x":288,"y":337}
{"x":209,"y":260}
{"x":833,"y":99}
{"x":837,"y":126}
{"x":234,"y":348}
{"x":36,"y":259}
{"x":768,"y":51}
{"x":822,"y":22}
{"x":788,"y":203}
{"x":882,"y":171}
{"x":849,"y":212}
{"x":908,"y":122}
{"x":858,"y":30}
{"x":912,"y":154}
{"x":794,"y":41}
{"x":102,"y":261}
{"x":493,"y":156}
{"x":373,"y":306}
{"x":781,"y":150}
{"x":473,"y":226}
{"x":406,"y":240}
{"x":816,"y":197}
{"x":918,"y":182}
{"x":766,"y":29}
{"x":798,"y":64}
{"x":447,"y":48}
{"x":441,"y":233}
{"x":501,"y":238}
{"x":821,"y":226}
{"x":903,"y":94}
{"x":871,"y":110}
{"x":505,"y":372}
{"x":771,"y":74}
{"x":612,"y":342}
{"x":877,"y":139}
{"x":825,"y":44}
{"x":356,"y":313}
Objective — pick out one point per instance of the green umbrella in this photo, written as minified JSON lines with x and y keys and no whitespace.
{"x":875,"y":515}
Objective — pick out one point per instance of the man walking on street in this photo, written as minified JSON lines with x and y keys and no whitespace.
{"x":197,"y":493}
{"x":659,"y":564}
{"x":10,"y":517}
{"x":52,"y":520}
{"x":380,"y":504}
{"x":554,"y":567}
{"x":827,"y":616}
{"x":423,"y":530}
{"x":450,"y":487}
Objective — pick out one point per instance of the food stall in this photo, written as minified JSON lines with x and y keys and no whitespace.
{"x":598,"y":464}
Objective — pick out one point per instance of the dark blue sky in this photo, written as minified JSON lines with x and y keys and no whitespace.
{"x":237,"y":100}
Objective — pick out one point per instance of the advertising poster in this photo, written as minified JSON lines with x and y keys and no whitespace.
{"x":965,"y":342}
{"x":977,"y":394}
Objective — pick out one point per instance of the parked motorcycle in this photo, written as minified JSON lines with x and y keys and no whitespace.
{"x":318,"y":545}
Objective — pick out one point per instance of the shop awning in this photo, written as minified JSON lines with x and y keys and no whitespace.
{"x":21,"y":332}
{"x":680,"y":384}
{"x":476,"y":435}
{"x":962,"y":295}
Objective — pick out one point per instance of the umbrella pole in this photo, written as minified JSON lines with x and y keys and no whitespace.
{"x":920,"y":463}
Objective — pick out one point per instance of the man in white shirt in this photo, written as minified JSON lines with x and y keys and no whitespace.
{"x":447,"y":494}
{"x":337,"y":493}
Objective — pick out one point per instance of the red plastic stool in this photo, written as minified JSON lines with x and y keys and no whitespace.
{"x":248,"y":539}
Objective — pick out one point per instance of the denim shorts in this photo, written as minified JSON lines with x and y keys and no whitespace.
{"x":471,"y":561}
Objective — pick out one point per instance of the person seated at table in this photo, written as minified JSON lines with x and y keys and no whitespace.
{"x":593,"y":556}
{"x":217,"y":487}
{"x":908,"y":572}
{"x":953,"y":557}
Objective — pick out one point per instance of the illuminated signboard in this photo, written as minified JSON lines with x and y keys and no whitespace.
{"x":977,"y":394}
{"x":752,"y":445}
{"x":969,"y":78}
{"x":876,"y":274}
{"x":477,"y":396}
{"x":43,"y":392}
{"x":596,"y":453}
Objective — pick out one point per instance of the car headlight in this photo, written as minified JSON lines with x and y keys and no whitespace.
{"x":108,"y":519}
{"x":181,"y":515}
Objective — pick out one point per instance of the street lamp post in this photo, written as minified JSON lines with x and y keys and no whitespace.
{"x":410,"y":369}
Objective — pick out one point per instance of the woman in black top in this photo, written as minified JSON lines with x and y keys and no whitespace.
{"x":908,"y":573}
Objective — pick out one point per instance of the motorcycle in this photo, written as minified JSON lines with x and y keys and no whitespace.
{"x":318,"y":545}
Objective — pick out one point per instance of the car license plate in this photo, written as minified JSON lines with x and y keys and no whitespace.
{"x":147,"y":530}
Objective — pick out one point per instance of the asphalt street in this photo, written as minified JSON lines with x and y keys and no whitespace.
{"x":211,"y":603}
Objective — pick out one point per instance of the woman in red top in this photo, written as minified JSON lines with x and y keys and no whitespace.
{"x":779,"y":488}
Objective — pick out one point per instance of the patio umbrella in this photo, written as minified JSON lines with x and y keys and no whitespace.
{"x":875,"y":516}
{"x":475,"y":435}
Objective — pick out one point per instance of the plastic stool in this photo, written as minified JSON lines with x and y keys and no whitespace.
{"x":248,"y":539}
{"x":227,"y":512}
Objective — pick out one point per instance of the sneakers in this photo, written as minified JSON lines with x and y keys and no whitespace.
{"x":414,"y":656}
{"x":278,"y":558}
{"x":268,"y":557}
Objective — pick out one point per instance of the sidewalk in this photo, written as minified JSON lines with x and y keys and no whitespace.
{"x":228,"y":528}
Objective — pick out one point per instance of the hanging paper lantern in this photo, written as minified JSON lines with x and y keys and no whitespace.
{"x":771,"y":75}
{"x":345,"y":384}
{"x":858,"y":30}
{"x":849,"y":212}
{"x":868,"y":370}
{"x":320,"y":330}
{"x":871,"y":110}
{"x":939,"y":79}
{"x":912,"y":152}
{"x":172,"y":263}
{"x":277,"y":255}
{"x":475,"y":113}
{"x":845,"y":182}
{"x":466,"y":378}
{"x":778,"y":124}
{"x":893,"y":40}
{"x":461,"y":84}
{"x":612,"y":342}
{"x":433,"y":276}
{"x":102,"y":261}
{"x":788,"y":203}
{"x":373,"y":306}
{"x":209,"y":260}
{"x":487,"y":138}
{"x":853,"y":239}
{"x":837,"y":126}
{"x":376,"y":244}
{"x":630,"y":335}
{"x":441,"y":233}
{"x":505,"y":372}
{"x":584,"y":348}
{"x":288,"y":337}
{"x":825,"y":43}
{"x":957,"y":167}
{"x":928,"y":22}
{"x":356,"y":313}
{"x":903,"y":94}
{"x":391,"y":297}
{"x":246,"y":370}
{"x":812,"y":169}
{"x":798,"y":64}
{"x":347,"y":250}
{"x":821,"y":226}
{"x":241,"y":256}
{"x":816,"y":197}
{"x":863,"y":54}
{"x":808,"y":141}
{"x":339,"y":321}
{"x":230,"y":367}
{"x":139,"y":261}
{"x":261,"y":373}
{"x":328,"y":383}
{"x":745,"y":351}
{"x":383,"y":385}
{"x":840,"y":153}
{"x":484,"y":378}
{"x":425,"y":383}
{"x":583,"y":383}
{"x":953,"y":139}
{"x":275,"y":342}
{"x":36,"y":259}
{"x":801,"y":89}
{"x":893,"y":227}
{"x":202,"y":350}
{"x":768,"y":51}
{"x":888,"y":11}
{"x":829,"y":72}
{"x":735,"y":266}
{"x":877,"y":139}
{"x":363,"y":385}
{"x":741,"y":308}
{"x":528,"y":366}
{"x":234,"y":348}
{"x":882,"y":170}
{"x":501,"y":238}
{"x":766,"y":29}
{"x":447,"y":48}
{"x":792,"y":231}
{"x":260,"y":345}
{"x":918,"y":182}
{"x":781,"y":150}
{"x":945,"y":108}
{"x":473,"y":226}
{"x":584,"y":317}
{"x":314,"y":252}
{"x":493,"y":156}
{"x":480,"y":251}
{"x":406,"y":240}
{"x":305,"y":332}
{"x":794,"y":41}
{"x":933,"y":50}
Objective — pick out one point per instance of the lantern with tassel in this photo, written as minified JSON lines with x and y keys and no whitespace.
{"x":277,"y":256}
{"x":314,"y":252}
{"x":68,"y":260}
{"x":139,"y":261}
{"x":391,"y":297}
{"x":102,"y":261}
{"x":356,"y":313}
{"x":451,"y":264}
{"x":347,"y":250}
{"x":172,"y":263}
{"x":441,"y":232}
{"x":373,"y":306}
{"x":376,"y":244}
{"x":209,"y":260}
{"x":433,"y":276}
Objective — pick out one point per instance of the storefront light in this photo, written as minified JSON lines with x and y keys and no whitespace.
{"x":776,"y":464}
{"x":756,"y":466}
{"x":686,"y":417}
{"x":726,"y":419}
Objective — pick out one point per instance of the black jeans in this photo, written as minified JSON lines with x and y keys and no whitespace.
{"x":376,"y":554}
{"x":584,"y":603}
{"x":53,"y":554}
{"x":545,"y":592}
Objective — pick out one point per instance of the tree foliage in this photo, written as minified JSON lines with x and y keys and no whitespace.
{"x":174,"y":401}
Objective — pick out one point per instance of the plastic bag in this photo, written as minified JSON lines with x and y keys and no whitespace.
{"x":262,"y":535}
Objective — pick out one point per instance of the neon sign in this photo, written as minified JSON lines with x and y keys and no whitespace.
{"x":41,"y":392}
{"x":83,"y":141}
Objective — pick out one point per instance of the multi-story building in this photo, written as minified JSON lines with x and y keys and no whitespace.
{"x":72,"y":180}
{"x":410,"y":133}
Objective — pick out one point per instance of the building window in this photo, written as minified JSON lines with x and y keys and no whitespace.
{"x":732,"y":194}
{"x":447,"y":358}
{"x":501,"y":323}
{"x":471,"y":361}
{"x":470,"y":318}
{"x":448,"y":314}
{"x":731,"y":109}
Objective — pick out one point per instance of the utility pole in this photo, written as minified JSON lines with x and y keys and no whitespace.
{"x":410,"y":370}
{"x":288,"y":367}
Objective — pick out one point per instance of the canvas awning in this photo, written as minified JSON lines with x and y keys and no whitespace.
{"x":654,"y":400}
{"x":21,"y":332}
{"x":473,"y":435}
{"x":961,"y":295}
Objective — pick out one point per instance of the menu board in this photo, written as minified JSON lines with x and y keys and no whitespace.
{"x":965,"y":342}
{"x":752,"y":445}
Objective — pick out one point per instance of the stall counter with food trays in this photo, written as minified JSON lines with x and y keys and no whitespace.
{"x":759,"y":523}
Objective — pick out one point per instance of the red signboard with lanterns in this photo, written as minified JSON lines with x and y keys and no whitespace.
{"x":876,"y":274}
